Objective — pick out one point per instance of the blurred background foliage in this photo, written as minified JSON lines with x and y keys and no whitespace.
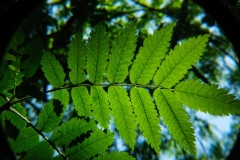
{"x":56,"y":21}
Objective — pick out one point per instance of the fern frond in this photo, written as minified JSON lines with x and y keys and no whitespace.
{"x":42,"y":151}
{"x":115,"y":156}
{"x":99,"y":101}
{"x":153,"y":51}
{"x":68,"y":131}
{"x":146,"y":117}
{"x":122,"y":112}
{"x":47,"y":119}
{"x":81,"y":101}
{"x":175,"y":66}
{"x":52,"y":69}
{"x":97,"y":54}
{"x":122,"y":53}
{"x":98,"y":142}
{"x":176,"y":119}
{"x":27,"y":138}
{"x":30,"y":65}
{"x":206,"y":98}
{"x":76,"y":59}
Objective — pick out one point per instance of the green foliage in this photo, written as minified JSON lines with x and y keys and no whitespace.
{"x":115,"y":156}
{"x":81,"y":101}
{"x":77,"y":59}
{"x":99,"y":101}
{"x":146,"y":116}
{"x":98,"y":142}
{"x":31,"y":64}
{"x":97,"y":54}
{"x":68,"y":131}
{"x":206,"y":98}
{"x":122,"y":113}
{"x":47,"y":119}
{"x":42,"y":151}
{"x":150,"y":55}
{"x":26,"y":139}
{"x":10,"y":79}
{"x":62,"y":96}
{"x":17,"y":40}
{"x":77,"y":125}
{"x":52,"y":69}
{"x":175,"y":118}
{"x":122,"y":53}
{"x":179,"y":60}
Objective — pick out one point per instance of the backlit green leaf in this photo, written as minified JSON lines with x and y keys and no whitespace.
{"x":206,"y":98}
{"x":122,"y":111}
{"x":42,"y":151}
{"x":81,"y":101}
{"x":100,"y":106}
{"x":98,"y":142}
{"x":146,"y":117}
{"x":176,"y":119}
{"x":68,"y":131}
{"x":77,"y":59}
{"x":47,"y":119}
{"x":97,"y":54}
{"x":150,"y":55}
{"x":52,"y":69}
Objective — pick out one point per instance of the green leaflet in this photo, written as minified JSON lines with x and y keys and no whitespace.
{"x":47,"y":119}
{"x":146,"y":117}
{"x":52,"y":69}
{"x":122,"y":53}
{"x":175,"y":66}
{"x":149,"y":57}
{"x":30,"y":65}
{"x":97,"y":54}
{"x":99,"y":101}
{"x":17,"y":39}
{"x":206,"y":98}
{"x":63,"y":96}
{"x":10,"y":80}
{"x":14,"y":119}
{"x":42,"y":151}
{"x":26,"y":139}
{"x":10,"y":57}
{"x":98,"y":142}
{"x":81,"y":101}
{"x":115,"y":156}
{"x":68,"y":131}
{"x":122,"y":112}
{"x":77,"y":59}
{"x":176,"y":119}
{"x":20,"y":109}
